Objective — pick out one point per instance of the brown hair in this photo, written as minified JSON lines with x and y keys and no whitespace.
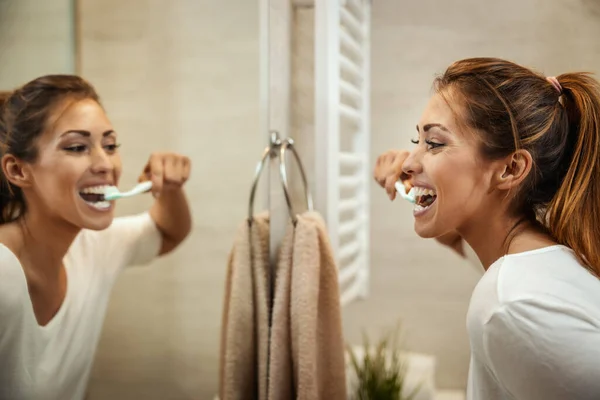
{"x":24,"y":115}
{"x":512,"y":107}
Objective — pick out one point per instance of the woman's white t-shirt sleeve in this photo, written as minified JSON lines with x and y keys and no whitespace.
{"x":130,"y":240}
{"x":530,"y":349}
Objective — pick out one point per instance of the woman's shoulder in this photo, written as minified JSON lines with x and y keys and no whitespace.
{"x":13,"y":286}
{"x":544,"y":268}
{"x":11,"y":242}
{"x":551,"y":277}
{"x":129,"y":239}
{"x":11,"y":239}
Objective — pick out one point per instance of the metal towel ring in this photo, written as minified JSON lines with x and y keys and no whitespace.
{"x":289,"y":144}
{"x":257,"y":174}
{"x":271,"y":150}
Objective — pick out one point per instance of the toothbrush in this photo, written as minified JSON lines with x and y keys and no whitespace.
{"x":112,"y":193}
{"x":410,"y":196}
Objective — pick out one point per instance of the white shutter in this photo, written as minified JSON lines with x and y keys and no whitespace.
{"x":343,"y":170}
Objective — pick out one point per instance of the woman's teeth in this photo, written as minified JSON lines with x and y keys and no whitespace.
{"x":100,"y":205}
{"x":95,"y":189}
{"x":94,"y":196}
{"x":424,"y":198}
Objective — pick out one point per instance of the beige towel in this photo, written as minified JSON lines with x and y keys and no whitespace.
{"x":307,"y":345}
{"x":244,"y":329}
{"x":281,"y":385}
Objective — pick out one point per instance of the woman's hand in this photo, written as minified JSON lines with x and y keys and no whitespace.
{"x":167,"y":171}
{"x":388,"y":170}
{"x":170,"y":212}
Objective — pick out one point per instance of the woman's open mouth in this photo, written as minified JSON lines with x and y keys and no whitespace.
{"x":424,"y":199}
{"x":94,"y":196}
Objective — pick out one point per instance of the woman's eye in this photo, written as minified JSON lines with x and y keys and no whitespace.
{"x":76,"y":149}
{"x":430,"y":145}
{"x":433,"y":145}
{"x":112,"y":147}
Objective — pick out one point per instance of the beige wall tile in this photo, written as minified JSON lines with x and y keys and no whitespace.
{"x":36,"y":38}
{"x":180,"y":76}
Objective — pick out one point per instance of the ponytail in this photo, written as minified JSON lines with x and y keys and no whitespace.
{"x":4,"y":98}
{"x":573,"y":215}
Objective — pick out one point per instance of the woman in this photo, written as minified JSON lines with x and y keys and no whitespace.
{"x":61,"y":248}
{"x":510,"y":161}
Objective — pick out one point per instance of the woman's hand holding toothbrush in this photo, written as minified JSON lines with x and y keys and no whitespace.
{"x":388,"y":170}
{"x":167,"y":171}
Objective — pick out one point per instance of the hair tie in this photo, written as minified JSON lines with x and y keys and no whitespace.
{"x":554,"y":82}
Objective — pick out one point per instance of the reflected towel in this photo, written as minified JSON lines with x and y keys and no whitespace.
{"x":244,"y":328}
{"x":307,"y":325}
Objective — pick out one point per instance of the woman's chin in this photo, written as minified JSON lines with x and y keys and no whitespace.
{"x":425,"y":223}
{"x":98,"y":223}
{"x":95,"y":217}
{"x":429,"y":229}
{"x":424,"y":231}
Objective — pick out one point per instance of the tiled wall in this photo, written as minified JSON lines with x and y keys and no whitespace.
{"x":36,"y":38}
{"x":180,"y":76}
{"x":279,"y":22}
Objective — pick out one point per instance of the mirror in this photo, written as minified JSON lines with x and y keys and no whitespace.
{"x":184,"y":77}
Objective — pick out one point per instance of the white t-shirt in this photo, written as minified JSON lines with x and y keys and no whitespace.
{"x":534,"y":329}
{"x":53,"y":362}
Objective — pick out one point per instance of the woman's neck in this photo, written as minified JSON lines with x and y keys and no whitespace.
{"x":46,"y":241}
{"x":496,"y":236}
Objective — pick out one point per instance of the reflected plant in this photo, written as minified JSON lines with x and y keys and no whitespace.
{"x":381,"y":371}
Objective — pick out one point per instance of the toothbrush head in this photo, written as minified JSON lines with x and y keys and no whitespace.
{"x":111,"y":193}
{"x":401,"y":189}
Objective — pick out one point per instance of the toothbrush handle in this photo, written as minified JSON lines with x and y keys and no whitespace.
{"x":400,"y":187}
{"x":142,"y":187}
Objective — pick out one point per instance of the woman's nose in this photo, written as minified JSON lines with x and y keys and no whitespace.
{"x":101,"y":161}
{"x":412,"y":165}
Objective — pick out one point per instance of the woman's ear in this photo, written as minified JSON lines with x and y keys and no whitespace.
{"x":15,"y":171}
{"x":512,"y":170}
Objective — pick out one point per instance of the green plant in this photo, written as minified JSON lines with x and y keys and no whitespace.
{"x":381,"y":372}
